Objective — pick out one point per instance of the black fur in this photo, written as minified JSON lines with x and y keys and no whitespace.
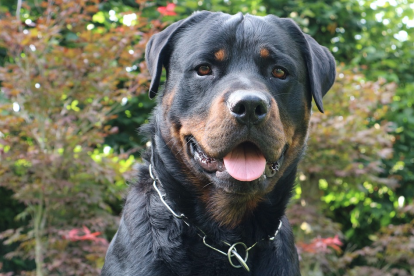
{"x":150,"y":240}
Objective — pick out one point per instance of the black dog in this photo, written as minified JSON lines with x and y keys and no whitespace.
{"x":227,"y":135}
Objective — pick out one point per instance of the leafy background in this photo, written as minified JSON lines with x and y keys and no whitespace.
{"x":73,"y":92}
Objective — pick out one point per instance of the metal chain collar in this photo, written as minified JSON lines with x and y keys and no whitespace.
{"x":232,"y":251}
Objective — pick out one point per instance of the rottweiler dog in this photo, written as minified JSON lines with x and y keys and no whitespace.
{"x":226,"y":136}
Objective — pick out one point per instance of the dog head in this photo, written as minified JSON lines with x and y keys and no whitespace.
{"x":237,"y":103}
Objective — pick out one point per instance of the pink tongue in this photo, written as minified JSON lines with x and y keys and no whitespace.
{"x":245,"y":162}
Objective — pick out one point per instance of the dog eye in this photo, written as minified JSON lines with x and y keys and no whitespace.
{"x":279,"y":73}
{"x":203,"y":70}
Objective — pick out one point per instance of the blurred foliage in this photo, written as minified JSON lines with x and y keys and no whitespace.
{"x":63,"y":82}
{"x":75,"y":72}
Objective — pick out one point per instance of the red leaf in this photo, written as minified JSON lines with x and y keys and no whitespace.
{"x":73,"y":235}
{"x":321,"y":245}
{"x":167,"y":10}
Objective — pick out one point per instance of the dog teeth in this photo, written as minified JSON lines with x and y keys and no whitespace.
{"x":271,"y":169}
{"x":207,"y":163}
{"x":275,"y":166}
{"x":220,"y":166}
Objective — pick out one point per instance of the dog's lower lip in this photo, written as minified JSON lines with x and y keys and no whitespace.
{"x":208,"y":163}
{"x":273,"y":168}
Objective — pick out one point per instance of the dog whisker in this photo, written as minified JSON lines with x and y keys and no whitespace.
{"x":207,"y":185}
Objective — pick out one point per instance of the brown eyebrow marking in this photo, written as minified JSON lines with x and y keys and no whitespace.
{"x":264,"y":53}
{"x":220,"y":55}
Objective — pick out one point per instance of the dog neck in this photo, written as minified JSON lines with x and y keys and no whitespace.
{"x":232,"y":251}
{"x":180,"y":194}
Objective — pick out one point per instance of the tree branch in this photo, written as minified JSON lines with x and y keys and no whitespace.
{"x":19,"y":6}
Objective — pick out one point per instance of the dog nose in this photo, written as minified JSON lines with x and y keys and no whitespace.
{"x":248,"y":107}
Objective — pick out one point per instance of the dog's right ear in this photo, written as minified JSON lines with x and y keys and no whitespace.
{"x":157,"y":52}
{"x":156,"y":55}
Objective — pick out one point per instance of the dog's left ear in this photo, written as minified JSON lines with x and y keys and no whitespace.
{"x":157,"y":52}
{"x":319,"y":61}
{"x":321,"y":69}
